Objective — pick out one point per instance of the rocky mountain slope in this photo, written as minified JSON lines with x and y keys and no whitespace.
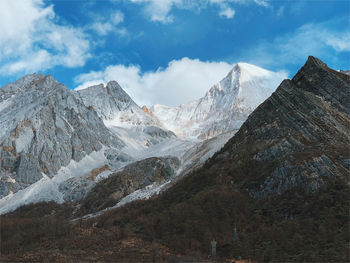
{"x":281,"y":183}
{"x":298,"y":138}
{"x":224,"y":107}
{"x":136,"y":126}
{"x":131,"y":178}
{"x":43,"y":128}
{"x":55,"y":146}
{"x":53,"y":140}
{"x":114,"y":105}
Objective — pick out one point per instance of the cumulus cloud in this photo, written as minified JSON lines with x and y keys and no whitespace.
{"x":31,"y":39}
{"x":181,"y":81}
{"x":160,"y":10}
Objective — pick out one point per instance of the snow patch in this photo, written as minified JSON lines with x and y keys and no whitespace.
{"x":144,"y":193}
{"x":140,"y":194}
{"x":46,"y":189}
{"x":103,"y":175}
{"x":24,"y":139}
{"x":4,"y":104}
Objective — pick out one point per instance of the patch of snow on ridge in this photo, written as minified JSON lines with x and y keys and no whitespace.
{"x":143,"y":193}
{"x":5,"y":103}
{"x":24,"y":139}
{"x":47,"y":189}
{"x":140,"y":194}
{"x":43,"y":190}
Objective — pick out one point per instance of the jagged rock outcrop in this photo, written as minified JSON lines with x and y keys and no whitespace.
{"x":42,"y":128}
{"x":224,"y":107}
{"x":136,"y":126}
{"x":114,"y":105}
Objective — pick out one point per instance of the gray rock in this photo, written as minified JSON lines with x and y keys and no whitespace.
{"x":297,"y":140}
{"x":112,"y":103}
{"x":43,"y":127}
{"x":134,"y":176}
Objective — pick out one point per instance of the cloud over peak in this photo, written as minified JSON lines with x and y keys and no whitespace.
{"x":181,"y":81}
{"x":31,"y":39}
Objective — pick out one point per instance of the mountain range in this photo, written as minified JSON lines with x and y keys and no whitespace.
{"x":50,"y":133}
{"x":261,"y":169}
{"x":224,"y":107}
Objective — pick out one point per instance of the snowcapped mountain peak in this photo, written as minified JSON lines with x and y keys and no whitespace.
{"x":225,"y":106}
{"x":247,"y":84}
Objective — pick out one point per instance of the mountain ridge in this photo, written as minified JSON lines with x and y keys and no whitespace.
{"x":280,"y":184}
{"x":114,"y":105}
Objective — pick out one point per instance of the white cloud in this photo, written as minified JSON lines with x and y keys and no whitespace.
{"x":104,"y":26}
{"x":262,"y":2}
{"x":227,"y":12}
{"x":160,"y":10}
{"x":280,"y":11}
{"x":31,"y":39}
{"x":181,"y":81}
{"x":117,"y":17}
{"x":317,"y":39}
{"x":340,"y":42}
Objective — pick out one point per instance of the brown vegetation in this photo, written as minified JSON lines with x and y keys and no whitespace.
{"x":97,"y":171}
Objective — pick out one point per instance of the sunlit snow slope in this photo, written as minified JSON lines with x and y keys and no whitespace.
{"x":224,"y":107}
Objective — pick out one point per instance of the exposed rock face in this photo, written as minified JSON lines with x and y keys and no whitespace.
{"x":224,"y":107}
{"x":297,"y":139}
{"x":136,"y":126}
{"x":133,"y":177}
{"x":146,"y":110}
{"x":42,"y":128}
{"x":114,"y":105}
{"x":195,"y":157}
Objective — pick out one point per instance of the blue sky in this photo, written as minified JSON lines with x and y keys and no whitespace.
{"x":167,"y":51}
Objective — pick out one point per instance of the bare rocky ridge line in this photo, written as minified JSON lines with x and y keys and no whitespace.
{"x":104,"y":122}
{"x":114,"y":105}
{"x":297,"y":139}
